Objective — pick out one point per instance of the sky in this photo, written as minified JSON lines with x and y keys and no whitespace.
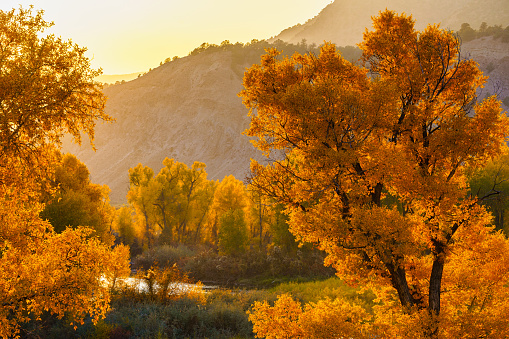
{"x":128,"y":36}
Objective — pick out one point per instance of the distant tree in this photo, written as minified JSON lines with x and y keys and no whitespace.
{"x":351,"y":53}
{"x":229,"y":194}
{"x":280,"y":232}
{"x":466,"y":32}
{"x":141,"y":197}
{"x":124,"y":225}
{"x":483,"y":27}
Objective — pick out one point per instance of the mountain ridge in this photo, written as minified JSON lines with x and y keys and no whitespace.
{"x":344,"y":21}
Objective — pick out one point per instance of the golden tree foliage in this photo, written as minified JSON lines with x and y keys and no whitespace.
{"x":46,"y":89}
{"x":75,"y":201}
{"x":321,"y":320}
{"x":46,"y":86}
{"x":171,"y":206}
{"x":123,"y":224}
{"x":370,"y":164}
{"x":229,"y":195}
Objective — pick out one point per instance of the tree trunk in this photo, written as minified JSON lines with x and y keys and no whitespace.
{"x":261,"y":222}
{"x":435,"y":285}
{"x":166,"y":228}
{"x":400,"y":283}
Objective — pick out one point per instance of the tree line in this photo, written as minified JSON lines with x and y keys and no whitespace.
{"x":467,"y":33}
{"x":180,"y":205}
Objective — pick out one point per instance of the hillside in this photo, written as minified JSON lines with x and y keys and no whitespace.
{"x":188,"y":108}
{"x":344,"y":21}
{"x":493,"y":58}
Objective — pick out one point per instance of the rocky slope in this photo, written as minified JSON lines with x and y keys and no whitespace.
{"x":493,"y":58}
{"x":344,"y":21}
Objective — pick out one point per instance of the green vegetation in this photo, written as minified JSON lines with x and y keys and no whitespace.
{"x":76,"y":201}
{"x":467,"y":33}
{"x":221,"y":313}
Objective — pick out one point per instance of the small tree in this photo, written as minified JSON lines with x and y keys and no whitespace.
{"x":466,"y":32}
{"x":232,"y":232}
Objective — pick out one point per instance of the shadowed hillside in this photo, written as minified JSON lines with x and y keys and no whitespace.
{"x":492,"y":55}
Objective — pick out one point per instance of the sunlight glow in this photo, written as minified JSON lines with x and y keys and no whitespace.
{"x":127,"y":36}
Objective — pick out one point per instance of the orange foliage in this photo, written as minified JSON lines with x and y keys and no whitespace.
{"x":322,"y":320}
{"x":46,"y":89}
{"x":370,"y":164}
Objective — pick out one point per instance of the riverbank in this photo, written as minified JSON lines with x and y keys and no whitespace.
{"x":221,"y":313}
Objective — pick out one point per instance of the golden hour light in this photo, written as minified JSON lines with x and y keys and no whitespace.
{"x":241,"y":169}
{"x":125,"y":37}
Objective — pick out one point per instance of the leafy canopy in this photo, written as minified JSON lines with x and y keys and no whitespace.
{"x":46,"y":89}
{"x":370,"y":165}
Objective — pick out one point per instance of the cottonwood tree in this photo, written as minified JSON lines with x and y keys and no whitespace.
{"x":46,"y":89}
{"x":141,"y":196}
{"x":370,"y":167}
{"x":173,"y":204}
{"x":75,"y":201}
{"x":230,"y":195}
{"x":232,"y":235}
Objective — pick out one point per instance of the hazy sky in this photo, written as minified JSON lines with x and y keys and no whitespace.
{"x":127,"y":36}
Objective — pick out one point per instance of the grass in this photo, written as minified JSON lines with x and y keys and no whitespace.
{"x":332,"y":288}
{"x":219,"y":313}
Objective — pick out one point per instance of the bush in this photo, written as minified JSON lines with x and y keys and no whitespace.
{"x":212,"y":268}
{"x":331,"y":288}
{"x":163,"y":256}
{"x":182,"y":318}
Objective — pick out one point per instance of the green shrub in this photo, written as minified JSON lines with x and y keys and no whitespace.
{"x":182,"y":318}
{"x":331,"y":288}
